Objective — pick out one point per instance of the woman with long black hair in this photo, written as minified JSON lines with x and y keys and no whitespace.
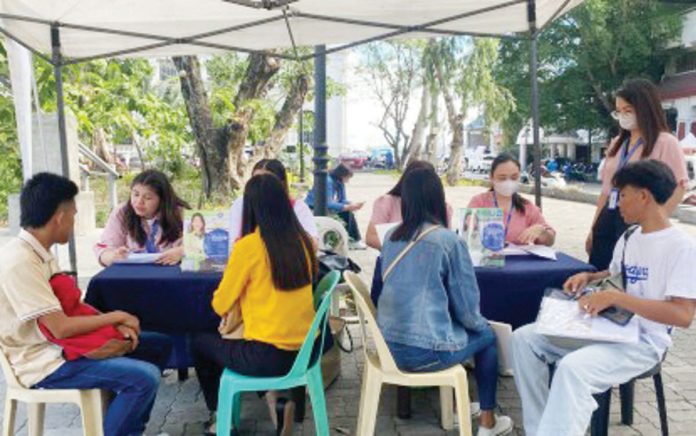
{"x":429,"y":307}
{"x":269,"y":276}
{"x":644,"y":135}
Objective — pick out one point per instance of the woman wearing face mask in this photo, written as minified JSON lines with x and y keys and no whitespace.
{"x":644,"y":135}
{"x":524,"y":223}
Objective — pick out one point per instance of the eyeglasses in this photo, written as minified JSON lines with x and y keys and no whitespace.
{"x":617,"y":114}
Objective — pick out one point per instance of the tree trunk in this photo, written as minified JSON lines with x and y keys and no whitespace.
{"x":285,"y":118}
{"x":434,"y":132}
{"x":100,"y":144}
{"x":136,"y":143}
{"x":213,"y":153}
{"x":456,"y":121}
{"x":259,"y":73}
{"x":415,"y":147}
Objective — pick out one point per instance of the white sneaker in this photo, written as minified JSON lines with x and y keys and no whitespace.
{"x":503,"y":425}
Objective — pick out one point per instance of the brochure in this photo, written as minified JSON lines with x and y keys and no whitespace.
{"x":484,"y":233}
{"x":206,"y":241}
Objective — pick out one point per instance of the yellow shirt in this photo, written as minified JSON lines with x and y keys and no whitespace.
{"x":278,"y":317}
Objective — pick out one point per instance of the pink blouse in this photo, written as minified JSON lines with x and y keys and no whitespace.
{"x":115,"y":236}
{"x":519,"y":222}
{"x":387,"y":209}
{"x":667,"y":150}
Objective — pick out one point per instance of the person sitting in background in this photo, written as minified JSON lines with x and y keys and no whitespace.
{"x":337,"y":202}
{"x":387,"y":208}
{"x":150,"y":222}
{"x":269,"y":277}
{"x":47,"y":204}
{"x":429,"y":307}
{"x":302,"y":211}
{"x":656,"y":261}
{"x":523,"y":221}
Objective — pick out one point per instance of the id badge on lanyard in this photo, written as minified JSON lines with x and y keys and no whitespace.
{"x":613,"y":202}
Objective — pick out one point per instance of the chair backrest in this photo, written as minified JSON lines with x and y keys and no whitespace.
{"x":368,"y":321}
{"x":10,"y":377}
{"x":326,"y":285}
{"x":332,"y":235}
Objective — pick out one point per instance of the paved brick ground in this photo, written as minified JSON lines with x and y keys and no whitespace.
{"x":180,"y":410}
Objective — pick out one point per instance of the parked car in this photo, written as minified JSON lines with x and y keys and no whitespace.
{"x":355,"y":159}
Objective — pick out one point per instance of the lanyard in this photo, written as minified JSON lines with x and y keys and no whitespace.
{"x":626,"y":155}
{"x":509,"y":215}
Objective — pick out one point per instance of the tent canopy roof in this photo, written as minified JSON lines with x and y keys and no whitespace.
{"x":104,"y":28}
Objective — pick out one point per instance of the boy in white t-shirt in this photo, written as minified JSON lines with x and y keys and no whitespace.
{"x":660,"y":290}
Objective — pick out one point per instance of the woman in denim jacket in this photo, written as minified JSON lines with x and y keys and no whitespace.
{"x":429,"y":306}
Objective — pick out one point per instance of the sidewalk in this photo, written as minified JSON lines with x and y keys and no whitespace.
{"x":180,"y":410}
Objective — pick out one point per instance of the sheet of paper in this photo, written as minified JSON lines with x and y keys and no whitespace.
{"x":138,"y":258}
{"x":563,"y":318}
{"x":382,"y":230}
{"x":536,"y":250}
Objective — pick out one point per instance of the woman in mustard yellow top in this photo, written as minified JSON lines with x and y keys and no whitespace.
{"x":269,"y":276}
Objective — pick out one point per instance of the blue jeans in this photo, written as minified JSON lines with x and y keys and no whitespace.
{"x":481,"y":346}
{"x":133,"y":380}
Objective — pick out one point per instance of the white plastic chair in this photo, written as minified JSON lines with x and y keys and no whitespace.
{"x":90,"y":401}
{"x":380,"y":368}
{"x":332,"y":235}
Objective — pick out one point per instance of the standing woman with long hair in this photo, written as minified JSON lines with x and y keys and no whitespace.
{"x":644,"y":135}
{"x":269,"y":275}
{"x":151,"y":221}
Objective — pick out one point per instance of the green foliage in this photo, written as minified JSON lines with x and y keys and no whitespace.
{"x":584,"y":57}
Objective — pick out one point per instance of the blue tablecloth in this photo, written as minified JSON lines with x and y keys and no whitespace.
{"x":512,"y":294}
{"x":164,"y":298}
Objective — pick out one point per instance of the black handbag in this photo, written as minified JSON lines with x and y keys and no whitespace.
{"x":331,"y":261}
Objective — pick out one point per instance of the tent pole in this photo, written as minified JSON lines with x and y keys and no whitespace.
{"x":301,"y":144}
{"x":320,"y":148}
{"x":533,"y":72}
{"x":57,"y":61}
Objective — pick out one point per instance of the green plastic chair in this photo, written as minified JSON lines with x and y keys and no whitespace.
{"x":301,"y":374}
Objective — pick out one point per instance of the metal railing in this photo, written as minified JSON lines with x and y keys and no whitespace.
{"x":106,"y":170}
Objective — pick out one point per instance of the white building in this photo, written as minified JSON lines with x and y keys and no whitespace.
{"x":678,"y":87}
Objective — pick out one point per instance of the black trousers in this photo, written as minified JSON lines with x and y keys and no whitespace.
{"x":606,"y":232}
{"x":212,"y":354}
{"x":351,"y":225}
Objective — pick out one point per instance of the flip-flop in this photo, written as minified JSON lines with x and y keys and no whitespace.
{"x":285,"y":412}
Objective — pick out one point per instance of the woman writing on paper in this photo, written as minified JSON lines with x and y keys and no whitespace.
{"x":150,"y":222}
{"x":269,"y":277}
{"x":387,"y":208}
{"x":429,"y":308}
{"x":523,"y":221}
{"x":644,"y":135}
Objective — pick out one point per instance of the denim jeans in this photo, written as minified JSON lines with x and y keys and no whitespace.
{"x":481,"y":346}
{"x":134,"y":381}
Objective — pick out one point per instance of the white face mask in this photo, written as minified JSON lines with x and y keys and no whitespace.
{"x":506,"y":188}
{"x":628,"y":121}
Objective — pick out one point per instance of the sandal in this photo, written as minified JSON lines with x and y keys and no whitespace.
{"x":285,"y":412}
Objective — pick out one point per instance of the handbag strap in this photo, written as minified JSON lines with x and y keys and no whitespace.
{"x":406,"y":250}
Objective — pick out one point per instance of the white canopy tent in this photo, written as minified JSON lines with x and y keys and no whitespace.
{"x":72,"y":31}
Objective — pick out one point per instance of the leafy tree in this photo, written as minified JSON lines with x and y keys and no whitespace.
{"x":584,"y":57}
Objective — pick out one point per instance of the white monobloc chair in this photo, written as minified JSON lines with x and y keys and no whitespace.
{"x":332,"y":235}
{"x":91,"y":402}
{"x":380,"y":368}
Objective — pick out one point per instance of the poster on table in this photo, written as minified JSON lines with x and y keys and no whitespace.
{"x":206,"y":240}
{"x":484,"y":233}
